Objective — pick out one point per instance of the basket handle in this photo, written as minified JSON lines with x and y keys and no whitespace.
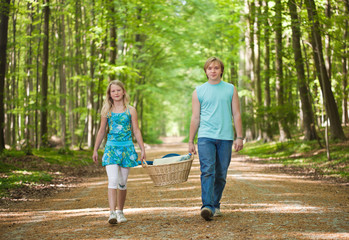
{"x":144,"y":163}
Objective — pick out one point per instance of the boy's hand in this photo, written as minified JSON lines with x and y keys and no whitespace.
{"x":192,"y":149}
{"x":238,"y":145}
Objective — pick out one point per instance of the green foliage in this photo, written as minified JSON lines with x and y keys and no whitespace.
{"x":16,"y":170}
{"x":13,"y":177}
{"x":305,"y":154}
{"x":64,"y":156}
{"x":18,"y":178}
{"x":5,"y":168}
{"x":152,"y":138}
{"x":161,"y":47}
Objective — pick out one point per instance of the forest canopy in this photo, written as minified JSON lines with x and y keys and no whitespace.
{"x":288,"y":60}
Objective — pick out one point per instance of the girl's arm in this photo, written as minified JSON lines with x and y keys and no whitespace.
{"x":99,"y":138}
{"x":137,"y":132}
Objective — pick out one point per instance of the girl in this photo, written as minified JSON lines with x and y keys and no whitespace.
{"x":119,"y":153}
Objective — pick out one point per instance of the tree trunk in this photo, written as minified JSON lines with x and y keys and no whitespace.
{"x":329,"y":101}
{"x":90,"y":89}
{"x":308,"y":116}
{"x":77,"y":64}
{"x":71,"y":99}
{"x":44,"y":80}
{"x":328,"y":12}
{"x":267,"y":135}
{"x":37,"y":101}
{"x":258,"y":68}
{"x":248,"y":68}
{"x":53,"y":119}
{"x":283,"y":128}
{"x":112,"y":46}
{"x":251,"y":19}
{"x":345,"y":119}
{"x":12,"y":93}
{"x":63,"y":81}
{"x":29,"y":82}
{"x":4,"y":16}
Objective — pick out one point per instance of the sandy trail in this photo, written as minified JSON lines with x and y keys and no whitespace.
{"x":257,"y":204}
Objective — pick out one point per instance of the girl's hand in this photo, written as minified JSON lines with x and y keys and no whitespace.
{"x":95,"y":157}
{"x":143,"y":157}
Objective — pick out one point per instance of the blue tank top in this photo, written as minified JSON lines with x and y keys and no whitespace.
{"x":120,"y":133}
{"x":216,"y":119}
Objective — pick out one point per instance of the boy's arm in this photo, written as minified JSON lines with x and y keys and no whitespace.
{"x":238,"y":143}
{"x":195,"y":121}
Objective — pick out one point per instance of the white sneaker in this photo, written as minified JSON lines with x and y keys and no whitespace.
{"x":217,"y":213}
{"x":112,"y":218}
{"x":120,"y":217}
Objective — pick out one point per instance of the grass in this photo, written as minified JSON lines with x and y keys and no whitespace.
{"x":18,"y":178}
{"x":65,"y":157}
{"x":304,"y":154}
{"x":17,"y":169}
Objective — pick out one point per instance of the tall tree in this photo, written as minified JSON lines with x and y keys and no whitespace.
{"x":251,"y":64}
{"x":90,"y":92}
{"x":62,"y":76}
{"x":328,"y":62}
{"x":77,"y":65}
{"x":44,"y":78}
{"x":258,"y":64}
{"x":330,"y":103}
{"x":282,"y":121}
{"x":4,"y":16}
{"x":29,"y":81}
{"x":345,"y":119}
{"x":112,"y":46}
{"x":14,"y":77}
{"x":308,"y":116}
{"x":267,"y":134}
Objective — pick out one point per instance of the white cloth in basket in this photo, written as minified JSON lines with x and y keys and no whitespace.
{"x":168,"y":160}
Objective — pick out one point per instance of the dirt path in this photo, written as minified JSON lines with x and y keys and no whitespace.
{"x":257,"y":204}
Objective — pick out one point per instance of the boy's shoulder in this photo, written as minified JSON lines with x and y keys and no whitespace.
{"x":202,"y":85}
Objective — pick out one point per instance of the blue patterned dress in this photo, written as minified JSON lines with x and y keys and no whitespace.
{"x":119,"y":148}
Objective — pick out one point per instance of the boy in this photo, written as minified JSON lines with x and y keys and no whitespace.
{"x":214,"y":105}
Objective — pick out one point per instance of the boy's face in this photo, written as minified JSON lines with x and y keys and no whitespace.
{"x":214,"y":71}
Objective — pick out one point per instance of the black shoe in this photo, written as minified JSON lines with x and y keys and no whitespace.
{"x":206,"y":214}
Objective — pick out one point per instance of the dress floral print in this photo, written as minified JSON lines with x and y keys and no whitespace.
{"x":119,"y":148}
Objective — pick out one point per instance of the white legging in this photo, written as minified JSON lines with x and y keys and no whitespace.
{"x":117,"y":176}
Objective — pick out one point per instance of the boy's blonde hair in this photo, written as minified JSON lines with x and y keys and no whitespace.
{"x":108,"y":101}
{"x":211,"y":60}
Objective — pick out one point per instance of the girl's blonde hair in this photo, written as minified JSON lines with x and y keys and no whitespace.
{"x":108,"y":101}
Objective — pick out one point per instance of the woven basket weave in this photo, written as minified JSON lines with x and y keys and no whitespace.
{"x":168,"y":174}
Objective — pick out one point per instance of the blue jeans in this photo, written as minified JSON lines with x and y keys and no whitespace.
{"x":214,"y":156}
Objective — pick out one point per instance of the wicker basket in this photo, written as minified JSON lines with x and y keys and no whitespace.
{"x":168,"y":174}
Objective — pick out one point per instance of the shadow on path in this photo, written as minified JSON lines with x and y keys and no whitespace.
{"x":257,"y":204}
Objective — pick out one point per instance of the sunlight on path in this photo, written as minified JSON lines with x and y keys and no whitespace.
{"x":257,"y":204}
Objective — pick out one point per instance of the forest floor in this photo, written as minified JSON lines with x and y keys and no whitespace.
{"x":258,"y":203}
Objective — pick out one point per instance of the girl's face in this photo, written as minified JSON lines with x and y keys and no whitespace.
{"x":214,"y":71}
{"x":116,"y":93}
